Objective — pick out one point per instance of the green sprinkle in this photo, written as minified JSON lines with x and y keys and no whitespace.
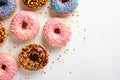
{"x":67,"y":49}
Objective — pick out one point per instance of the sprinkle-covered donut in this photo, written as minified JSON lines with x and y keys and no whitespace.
{"x":8,"y":66}
{"x":3,"y":33}
{"x":64,"y":7}
{"x":7,"y":7}
{"x":24,"y":25}
{"x":33,"y":57}
{"x":34,"y":3}
{"x":57,"y":32}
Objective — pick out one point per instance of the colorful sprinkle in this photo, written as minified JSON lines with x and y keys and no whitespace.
{"x":40,"y":12}
{"x":50,"y":51}
{"x":42,"y":72}
{"x":84,"y":30}
{"x":70,"y":72}
{"x":72,"y":14}
{"x":60,"y":55}
{"x":66,"y":49}
{"x":20,"y":79}
{"x":52,"y":62}
{"x":84,"y":38}
{"x":45,"y":12}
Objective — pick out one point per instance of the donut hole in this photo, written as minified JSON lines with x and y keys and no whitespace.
{"x":64,"y":1}
{"x":57,"y":30}
{"x":3,"y":67}
{"x":2,"y":3}
{"x":24,"y":25}
{"x":34,"y":57}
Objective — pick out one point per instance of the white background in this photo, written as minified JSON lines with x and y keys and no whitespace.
{"x":95,"y":58}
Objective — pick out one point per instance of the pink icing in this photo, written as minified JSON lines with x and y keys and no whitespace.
{"x":11,"y":67}
{"x":32,"y":28}
{"x":54,"y":39}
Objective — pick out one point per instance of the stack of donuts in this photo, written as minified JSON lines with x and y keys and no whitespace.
{"x":25,"y":26}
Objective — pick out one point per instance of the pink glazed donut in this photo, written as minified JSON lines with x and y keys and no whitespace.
{"x":24,"y":25}
{"x":57,"y":32}
{"x":8,"y":66}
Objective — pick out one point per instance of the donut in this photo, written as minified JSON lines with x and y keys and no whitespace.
{"x":3,"y":33}
{"x":34,"y":4}
{"x":63,"y":7}
{"x":7,"y":8}
{"x":57,"y":32}
{"x":8,"y":66}
{"x":24,"y":25}
{"x":33,"y":57}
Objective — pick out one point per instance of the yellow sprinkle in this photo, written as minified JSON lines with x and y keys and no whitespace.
{"x":28,"y":1}
{"x":78,"y":26}
{"x":60,"y":49}
{"x":66,"y":49}
{"x":78,"y":21}
{"x":62,"y":59}
{"x":71,"y":21}
{"x":78,"y":31}
{"x":20,"y":79}
{"x":40,"y":12}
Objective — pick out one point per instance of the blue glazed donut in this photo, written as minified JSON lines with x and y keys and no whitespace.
{"x":64,"y":6}
{"x":7,"y":7}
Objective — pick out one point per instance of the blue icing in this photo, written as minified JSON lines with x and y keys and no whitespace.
{"x":8,"y":8}
{"x":64,"y":8}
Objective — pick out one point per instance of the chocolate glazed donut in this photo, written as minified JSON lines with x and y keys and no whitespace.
{"x":33,"y":57}
{"x":3,"y":34}
{"x":34,"y":3}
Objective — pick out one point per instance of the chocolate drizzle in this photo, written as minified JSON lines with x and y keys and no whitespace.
{"x":33,"y":57}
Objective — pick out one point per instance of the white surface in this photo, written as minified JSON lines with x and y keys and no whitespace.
{"x":96,"y":58}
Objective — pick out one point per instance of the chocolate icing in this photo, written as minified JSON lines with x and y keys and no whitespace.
{"x":33,"y":57}
{"x":34,"y":3}
{"x":2,"y":33}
